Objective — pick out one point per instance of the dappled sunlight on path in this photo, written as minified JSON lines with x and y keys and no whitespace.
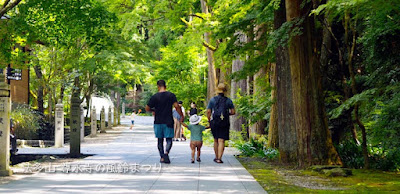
{"x":136,"y":149}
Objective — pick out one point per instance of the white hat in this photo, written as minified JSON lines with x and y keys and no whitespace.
{"x":194,"y":119}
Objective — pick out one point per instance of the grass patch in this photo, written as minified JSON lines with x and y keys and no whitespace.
{"x":275,"y":178}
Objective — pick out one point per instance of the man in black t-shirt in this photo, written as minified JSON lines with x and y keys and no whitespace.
{"x":161,"y":104}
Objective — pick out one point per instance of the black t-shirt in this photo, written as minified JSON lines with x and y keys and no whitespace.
{"x":193,"y":111}
{"x":162,"y":104}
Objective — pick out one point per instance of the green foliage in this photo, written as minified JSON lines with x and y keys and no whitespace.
{"x":257,"y":106}
{"x":147,"y":93}
{"x":239,"y":22}
{"x":183,"y":67}
{"x":351,"y":154}
{"x":380,"y":157}
{"x":27,"y":123}
{"x":375,"y":27}
{"x":365,"y":96}
{"x":254,"y":147}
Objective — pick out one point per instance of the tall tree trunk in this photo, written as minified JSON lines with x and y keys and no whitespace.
{"x":50,"y":105}
{"x":250,"y":90}
{"x":259,"y":81}
{"x":236,"y":120}
{"x":273,"y":133}
{"x":118,"y":108}
{"x":259,"y":126}
{"x":77,"y":88}
{"x":346,"y":88}
{"x":39,"y":76}
{"x":350,"y":49}
{"x":212,"y":78}
{"x":284,"y":101}
{"x":88,"y":101}
{"x":62,"y":90}
{"x":314,"y":144}
{"x":237,"y":65}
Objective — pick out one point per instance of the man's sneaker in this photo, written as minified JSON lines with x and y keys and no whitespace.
{"x":166,"y":159}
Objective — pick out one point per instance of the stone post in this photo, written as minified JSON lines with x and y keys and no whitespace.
{"x":123,"y":110}
{"x":5,"y":107}
{"x":109,"y":126}
{"x":75,"y":123}
{"x":82,"y":123}
{"x":115,"y":116}
{"x":103,"y":120}
{"x":59,"y":129}
{"x":93,"y":121}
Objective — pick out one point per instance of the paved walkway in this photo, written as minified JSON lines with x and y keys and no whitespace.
{"x":132,"y":161}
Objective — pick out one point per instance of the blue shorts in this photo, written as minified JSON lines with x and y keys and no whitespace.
{"x":133,"y":122}
{"x":163,"y":131}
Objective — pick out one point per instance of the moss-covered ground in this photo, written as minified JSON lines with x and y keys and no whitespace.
{"x":275,"y":178}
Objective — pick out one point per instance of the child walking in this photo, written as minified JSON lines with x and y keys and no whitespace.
{"x":133,"y":116}
{"x":196,"y":136}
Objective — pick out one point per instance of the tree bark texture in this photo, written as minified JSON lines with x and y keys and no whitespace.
{"x":284,"y":98}
{"x":39,"y":76}
{"x":259,"y":78}
{"x":273,"y":135}
{"x":236,"y":120}
{"x":237,"y":65}
{"x":258,"y":127}
{"x":7,"y":6}
{"x":212,"y":78}
{"x":314,"y":144}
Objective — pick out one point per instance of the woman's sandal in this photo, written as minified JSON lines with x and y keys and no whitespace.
{"x":219,"y":161}
{"x":198,"y":160}
{"x":191,"y":161}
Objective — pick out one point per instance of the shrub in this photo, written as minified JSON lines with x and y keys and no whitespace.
{"x":26,"y":122}
{"x":388,"y":160}
{"x":351,"y":154}
{"x":255,"y":147}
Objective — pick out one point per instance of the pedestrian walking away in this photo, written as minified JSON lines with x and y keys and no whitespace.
{"x":218,"y":110}
{"x":196,"y":136}
{"x":161,"y":105}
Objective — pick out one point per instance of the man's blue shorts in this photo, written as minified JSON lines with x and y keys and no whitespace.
{"x":163,"y":131}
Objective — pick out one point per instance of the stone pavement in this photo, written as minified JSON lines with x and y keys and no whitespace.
{"x":127,"y":161}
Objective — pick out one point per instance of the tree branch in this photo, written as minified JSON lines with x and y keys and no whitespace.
{"x":209,"y":46}
{"x":195,"y":15}
{"x":186,"y":22}
{"x":206,"y":44}
{"x":153,"y":20}
{"x":7,"y":6}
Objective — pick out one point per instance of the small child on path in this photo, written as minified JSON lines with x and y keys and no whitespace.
{"x":132,"y":117}
{"x":196,"y":137}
